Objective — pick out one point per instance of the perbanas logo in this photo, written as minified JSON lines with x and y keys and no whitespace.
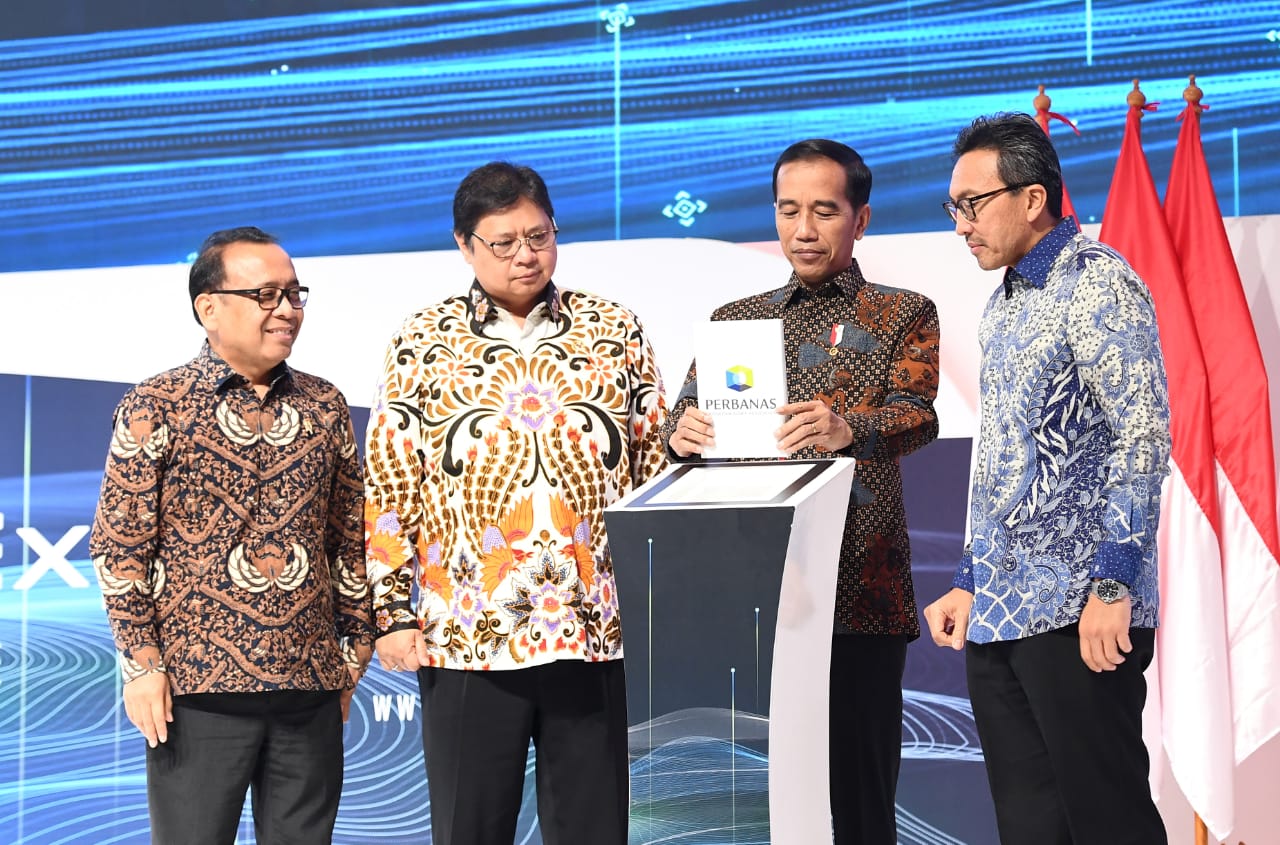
{"x":739,"y":378}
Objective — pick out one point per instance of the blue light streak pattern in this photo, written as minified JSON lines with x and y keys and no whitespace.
{"x":703,"y":778}
{"x":127,"y":146}
{"x":692,"y":771}
{"x":84,"y":767}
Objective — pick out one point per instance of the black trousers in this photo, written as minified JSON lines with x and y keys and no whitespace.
{"x":1063,"y":745}
{"x":866,"y":737}
{"x":283,"y":747}
{"x":476,"y":730}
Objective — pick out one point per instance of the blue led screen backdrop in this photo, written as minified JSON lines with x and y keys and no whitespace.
{"x":130,"y":131}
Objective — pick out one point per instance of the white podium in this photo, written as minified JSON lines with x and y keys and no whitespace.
{"x":729,"y":570}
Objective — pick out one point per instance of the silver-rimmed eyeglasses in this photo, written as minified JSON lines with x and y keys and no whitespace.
{"x":537,"y":242}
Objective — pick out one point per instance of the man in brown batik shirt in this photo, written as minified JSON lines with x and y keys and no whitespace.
{"x":228,"y":543}
{"x":862,"y":374}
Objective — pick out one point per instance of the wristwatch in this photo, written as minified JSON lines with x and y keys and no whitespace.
{"x":1110,"y":590}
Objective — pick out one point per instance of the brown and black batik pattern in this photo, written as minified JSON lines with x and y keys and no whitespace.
{"x":870,"y":353}
{"x":227,"y":533}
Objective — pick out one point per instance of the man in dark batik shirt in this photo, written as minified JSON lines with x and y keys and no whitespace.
{"x":862,"y":374}
{"x":228,"y":545}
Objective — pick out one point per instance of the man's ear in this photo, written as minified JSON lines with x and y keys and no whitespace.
{"x":206,"y":311}
{"x":1036,"y":199}
{"x":464,"y":247}
{"x":861,"y":219}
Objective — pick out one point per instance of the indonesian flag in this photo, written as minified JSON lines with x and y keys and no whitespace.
{"x":1188,"y":714}
{"x":1245,"y":466}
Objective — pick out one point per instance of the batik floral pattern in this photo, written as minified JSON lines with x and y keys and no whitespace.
{"x":488,"y":470}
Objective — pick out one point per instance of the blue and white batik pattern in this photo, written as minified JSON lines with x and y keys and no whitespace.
{"x":1074,"y":441}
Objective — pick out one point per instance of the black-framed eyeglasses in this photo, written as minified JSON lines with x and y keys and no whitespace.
{"x":968,"y":207}
{"x":270,"y":297}
{"x":537,"y":242}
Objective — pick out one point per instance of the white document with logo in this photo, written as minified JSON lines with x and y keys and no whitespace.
{"x":742,"y":382}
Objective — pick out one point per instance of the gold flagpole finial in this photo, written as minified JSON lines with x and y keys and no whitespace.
{"x":1193,"y":95}
{"x":1136,"y":98}
{"x":1042,"y":101}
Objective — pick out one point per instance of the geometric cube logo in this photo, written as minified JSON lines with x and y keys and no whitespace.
{"x":739,"y":378}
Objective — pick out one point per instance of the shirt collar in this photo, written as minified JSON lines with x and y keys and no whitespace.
{"x":847,"y":282}
{"x":217,"y":371}
{"x":1033,"y":269}
{"x":483,"y":308}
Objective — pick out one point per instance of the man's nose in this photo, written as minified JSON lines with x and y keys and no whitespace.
{"x":284,"y":307}
{"x":524,"y":253}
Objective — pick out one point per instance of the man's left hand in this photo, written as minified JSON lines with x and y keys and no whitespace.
{"x":812,"y":424}
{"x":364,"y":653}
{"x":350,"y":692}
{"x":1104,"y":634}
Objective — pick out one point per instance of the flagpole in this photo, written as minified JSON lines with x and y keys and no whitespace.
{"x":1192,"y":96}
{"x":1202,"y":831}
{"x":1042,"y":102}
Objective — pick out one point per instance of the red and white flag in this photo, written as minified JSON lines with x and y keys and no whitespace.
{"x":1188,"y":714}
{"x":1244,"y":461}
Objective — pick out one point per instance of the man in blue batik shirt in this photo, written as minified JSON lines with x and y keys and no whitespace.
{"x":1056,"y":594}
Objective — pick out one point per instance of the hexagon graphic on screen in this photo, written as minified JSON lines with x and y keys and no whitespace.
{"x":739,"y":378}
